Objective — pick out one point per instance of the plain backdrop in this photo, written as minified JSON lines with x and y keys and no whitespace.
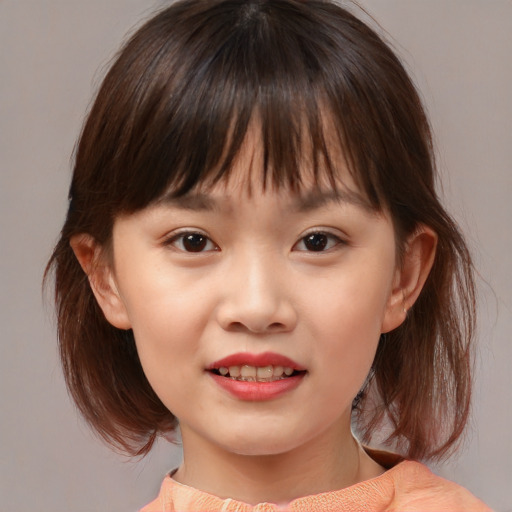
{"x":53,"y":54}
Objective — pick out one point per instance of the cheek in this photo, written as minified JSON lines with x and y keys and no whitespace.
{"x":348,"y":313}
{"x":352,"y":302}
{"x":349,"y":345}
{"x":163,"y":302}
{"x":167,"y":326}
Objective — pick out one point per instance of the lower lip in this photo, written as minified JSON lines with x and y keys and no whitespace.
{"x":257,"y":391}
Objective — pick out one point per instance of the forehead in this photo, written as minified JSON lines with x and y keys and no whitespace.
{"x":314,"y":177}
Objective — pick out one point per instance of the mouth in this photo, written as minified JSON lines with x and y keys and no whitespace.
{"x":249,"y":373}
{"x":257,"y":376}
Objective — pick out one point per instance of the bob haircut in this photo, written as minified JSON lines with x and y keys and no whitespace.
{"x":172,"y":114}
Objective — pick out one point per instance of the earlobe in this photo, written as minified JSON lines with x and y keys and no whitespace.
{"x":417,"y":261}
{"x":101,"y":279}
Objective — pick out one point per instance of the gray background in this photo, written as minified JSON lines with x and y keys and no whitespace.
{"x":52,"y":56}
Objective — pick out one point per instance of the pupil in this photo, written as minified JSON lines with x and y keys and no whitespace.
{"x":316,"y":242}
{"x":194,"y":242}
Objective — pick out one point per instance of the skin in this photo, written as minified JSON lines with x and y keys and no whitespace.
{"x":257,"y":287}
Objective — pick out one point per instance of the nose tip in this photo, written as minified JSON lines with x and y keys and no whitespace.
{"x":258,"y":304}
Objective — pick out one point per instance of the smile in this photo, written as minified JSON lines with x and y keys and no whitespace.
{"x":247,"y":373}
{"x":257,"y":377}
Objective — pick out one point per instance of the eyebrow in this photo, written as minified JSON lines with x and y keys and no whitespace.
{"x":303,"y":203}
{"x":196,"y":202}
{"x":317,"y":198}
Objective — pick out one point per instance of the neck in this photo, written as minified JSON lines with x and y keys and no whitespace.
{"x":331,"y":462}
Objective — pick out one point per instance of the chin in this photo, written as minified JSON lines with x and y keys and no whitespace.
{"x":262,"y":444}
{"x":260,"y":450}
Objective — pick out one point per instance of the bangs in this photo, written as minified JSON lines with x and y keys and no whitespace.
{"x":205,"y":90}
{"x":177,"y":105}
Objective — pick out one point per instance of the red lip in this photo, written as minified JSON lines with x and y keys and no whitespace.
{"x":254,"y":390}
{"x":264,"y":359}
{"x":258,"y":391}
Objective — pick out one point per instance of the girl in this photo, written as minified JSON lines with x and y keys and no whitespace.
{"x":254,"y":251}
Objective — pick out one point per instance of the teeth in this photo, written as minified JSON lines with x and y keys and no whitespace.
{"x":234,"y":371}
{"x":278,"y":371}
{"x":267,"y":372}
{"x":256,"y":373}
{"x":248,"y":371}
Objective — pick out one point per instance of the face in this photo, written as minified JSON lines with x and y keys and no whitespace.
{"x":256,"y":317}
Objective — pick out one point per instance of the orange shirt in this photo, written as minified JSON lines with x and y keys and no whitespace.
{"x":408,"y":486}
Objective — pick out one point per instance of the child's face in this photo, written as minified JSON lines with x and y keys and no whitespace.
{"x":222,"y":274}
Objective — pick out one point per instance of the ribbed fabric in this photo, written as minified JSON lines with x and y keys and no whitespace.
{"x":409,"y":486}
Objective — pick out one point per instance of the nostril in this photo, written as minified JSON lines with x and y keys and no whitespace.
{"x":242,"y":327}
{"x":237,"y":327}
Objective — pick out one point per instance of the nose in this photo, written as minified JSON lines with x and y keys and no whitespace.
{"x":257,"y":297}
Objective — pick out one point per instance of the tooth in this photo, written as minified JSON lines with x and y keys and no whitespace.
{"x":288,"y":371}
{"x":234,"y":371}
{"x":264,"y":372}
{"x":248,"y":371}
{"x":278,"y":371}
{"x":223,"y":370}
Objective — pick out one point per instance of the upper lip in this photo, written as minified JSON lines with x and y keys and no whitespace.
{"x":260,"y":360}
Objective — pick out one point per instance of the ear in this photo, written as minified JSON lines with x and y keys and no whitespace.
{"x":94,"y":263}
{"x":417,"y":261}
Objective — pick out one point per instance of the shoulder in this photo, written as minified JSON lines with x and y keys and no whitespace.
{"x":407,"y":486}
{"x":174,"y":496}
{"x":163,"y":502}
{"x":416,"y":488}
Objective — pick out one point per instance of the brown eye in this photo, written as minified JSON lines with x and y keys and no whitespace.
{"x":317,"y":241}
{"x":192,"y":242}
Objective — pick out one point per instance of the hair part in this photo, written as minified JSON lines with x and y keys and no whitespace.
{"x":173,"y":113}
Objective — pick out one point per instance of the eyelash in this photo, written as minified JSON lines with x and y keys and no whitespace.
{"x":205,"y":244}
{"x":179,"y":238}
{"x":334,"y":239}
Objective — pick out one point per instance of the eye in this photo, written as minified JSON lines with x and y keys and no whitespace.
{"x":317,"y":241}
{"x":191,"y":241}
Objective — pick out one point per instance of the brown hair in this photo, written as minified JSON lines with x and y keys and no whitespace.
{"x":173,"y":112}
